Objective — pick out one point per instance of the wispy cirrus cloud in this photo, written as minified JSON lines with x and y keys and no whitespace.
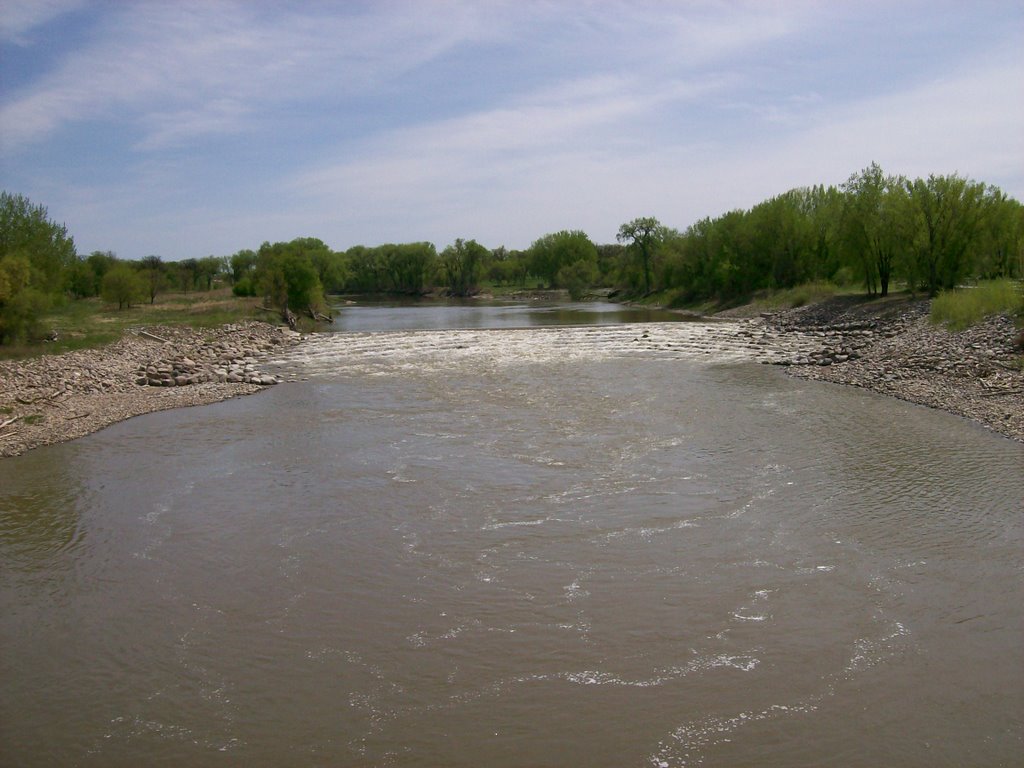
{"x":19,"y":17}
{"x":176,"y":70}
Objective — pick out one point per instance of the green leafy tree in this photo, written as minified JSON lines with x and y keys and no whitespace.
{"x":100,"y":263}
{"x":461,"y":263}
{"x":578,"y":277}
{"x":287,"y":278}
{"x":27,"y":229}
{"x":208,"y":269}
{"x":123,"y":286}
{"x":950,"y":210}
{"x":36,"y":255}
{"x":152,"y":268}
{"x":21,"y":304}
{"x":877,"y":225}
{"x":408,"y":266}
{"x":550,"y":253}
{"x":188,"y":274}
{"x":242,"y":265}
{"x":642,"y":236}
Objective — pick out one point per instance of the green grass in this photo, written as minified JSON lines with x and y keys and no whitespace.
{"x":965,"y":307}
{"x":801,"y":295}
{"x":89,"y":323}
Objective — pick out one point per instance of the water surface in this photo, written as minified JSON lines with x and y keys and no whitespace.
{"x":517,"y":550}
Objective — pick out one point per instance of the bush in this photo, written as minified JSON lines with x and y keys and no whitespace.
{"x":964,"y":307}
{"x":244,"y":287}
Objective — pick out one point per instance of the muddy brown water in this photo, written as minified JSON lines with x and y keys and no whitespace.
{"x":517,"y":547}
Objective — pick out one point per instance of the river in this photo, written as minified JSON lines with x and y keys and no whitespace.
{"x":483,"y":537}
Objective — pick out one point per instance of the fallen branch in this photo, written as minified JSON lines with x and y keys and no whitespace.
{"x":78,"y":416}
{"x":33,"y":401}
{"x":320,"y":317}
{"x":152,"y":336}
{"x":9,"y":422}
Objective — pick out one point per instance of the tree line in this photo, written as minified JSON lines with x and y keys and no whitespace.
{"x":875,"y":229}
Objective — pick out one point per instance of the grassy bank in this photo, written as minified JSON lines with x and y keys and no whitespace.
{"x":87,"y":323}
{"x":965,"y":307}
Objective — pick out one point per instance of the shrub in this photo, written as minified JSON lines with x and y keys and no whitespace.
{"x":244,"y":287}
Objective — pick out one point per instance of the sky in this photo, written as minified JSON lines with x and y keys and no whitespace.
{"x":187,"y":129}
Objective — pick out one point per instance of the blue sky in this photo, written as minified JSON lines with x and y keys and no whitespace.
{"x":189,"y":129}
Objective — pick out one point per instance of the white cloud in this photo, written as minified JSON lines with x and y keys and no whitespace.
{"x":174,"y":66}
{"x":19,"y":17}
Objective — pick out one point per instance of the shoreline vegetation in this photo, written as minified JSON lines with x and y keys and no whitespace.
{"x":891,"y":346}
{"x":190,"y":331}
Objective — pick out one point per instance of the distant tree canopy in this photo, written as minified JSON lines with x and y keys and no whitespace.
{"x":551,"y":254}
{"x":875,"y":229}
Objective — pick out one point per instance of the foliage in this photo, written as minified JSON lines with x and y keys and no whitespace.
{"x":883,"y":231}
{"x":35,"y":256}
{"x":643,"y":235}
{"x":579,"y":276}
{"x":949,"y":213}
{"x":286,"y":275}
{"x":153,"y":275}
{"x":123,"y":286}
{"x":964,"y":307}
{"x":461,"y":263}
{"x":551,"y":253}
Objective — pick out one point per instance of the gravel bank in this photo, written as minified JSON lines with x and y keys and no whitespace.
{"x":891,"y":347}
{"x":55,"y":398}
{"x":888,"y":347}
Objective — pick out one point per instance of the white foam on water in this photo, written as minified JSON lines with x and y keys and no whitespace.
{"x":398,"y":352}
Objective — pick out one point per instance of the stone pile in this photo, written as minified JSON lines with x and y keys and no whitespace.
{"x":223,"y":361}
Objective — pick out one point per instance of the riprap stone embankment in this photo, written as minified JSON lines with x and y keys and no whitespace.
{"x":54,"y":398}
{"x":894,"y":348}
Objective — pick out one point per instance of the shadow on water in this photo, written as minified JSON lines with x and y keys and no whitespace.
{"x":439,"y":314}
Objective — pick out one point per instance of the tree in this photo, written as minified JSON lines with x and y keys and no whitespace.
{"x":287,"y":278}
{"x":122,"y":285}
{"x":408,"y":266}
{"x":550,"y":253}
{"x":153,"y":275}
{"x":188,"y":273}
{"x":27,"y":229}
{"x":242,"y":265}
{"x":461,"y":263}
{"x":208,"y":269}
{"x":875,"y":224}
{"x":578,"y":276}
{"x":949,"y":212}
{"x":642,"y":236}
{"x":100,"y":263}
{"x":35,"y":256}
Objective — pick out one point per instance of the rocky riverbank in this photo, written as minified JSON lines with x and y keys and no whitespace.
{"x":887,"y":346}
{"x":55,"y":398}
{"x":892,"y":347}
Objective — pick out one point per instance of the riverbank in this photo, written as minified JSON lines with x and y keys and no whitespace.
{"x":886,"y":346}
{"x":54,"y":398}
{"x":892,"y":347}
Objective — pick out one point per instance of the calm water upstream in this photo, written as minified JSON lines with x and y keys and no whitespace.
{"x":522,"y":546}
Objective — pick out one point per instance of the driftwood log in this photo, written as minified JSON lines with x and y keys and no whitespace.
{"x":320,"y":317}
